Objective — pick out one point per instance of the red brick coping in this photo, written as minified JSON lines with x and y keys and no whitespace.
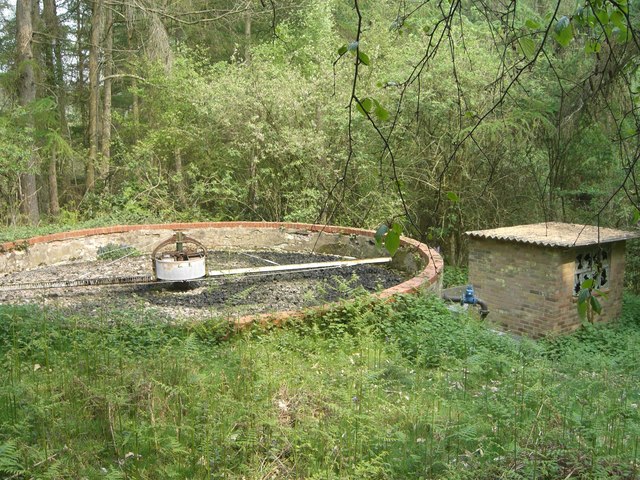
{"x":424,"y":279}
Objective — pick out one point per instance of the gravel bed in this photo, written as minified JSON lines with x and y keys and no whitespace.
{"x":229,"y":296}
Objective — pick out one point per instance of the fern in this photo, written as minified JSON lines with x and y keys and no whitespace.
{"x":9,"y":461}
{"x":114,"y":474}
{"x":53,"y":472}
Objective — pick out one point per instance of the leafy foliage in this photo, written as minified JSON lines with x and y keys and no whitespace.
{"x":454,"y":276}
{"x":9,"y":459}
{"x":368,"y":389}
{"x":113,"y":251}
{"x":218,"y":136}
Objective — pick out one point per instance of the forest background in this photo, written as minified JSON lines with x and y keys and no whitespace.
{"x":442,"y":116}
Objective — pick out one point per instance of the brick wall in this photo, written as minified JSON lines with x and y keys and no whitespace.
{"x":529,"y":288}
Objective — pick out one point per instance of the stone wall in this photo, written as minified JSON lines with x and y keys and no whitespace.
{"x":529,"y":288}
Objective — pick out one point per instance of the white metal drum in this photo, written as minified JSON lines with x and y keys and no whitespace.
{"x":168,"y":267}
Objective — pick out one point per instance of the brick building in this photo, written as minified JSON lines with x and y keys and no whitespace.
{"x":530,"y":275}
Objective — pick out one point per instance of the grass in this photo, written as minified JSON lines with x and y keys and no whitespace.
{"x":364,"y":391}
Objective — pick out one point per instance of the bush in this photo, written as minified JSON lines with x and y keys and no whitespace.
{"x":427,"y":332}
{"x":112,"y":251}
{"x":454,"y":276}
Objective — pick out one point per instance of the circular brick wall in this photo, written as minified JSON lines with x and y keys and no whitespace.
{"x":68,"y":246}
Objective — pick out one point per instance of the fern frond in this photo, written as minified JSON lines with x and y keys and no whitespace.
{"x":9,"y":458}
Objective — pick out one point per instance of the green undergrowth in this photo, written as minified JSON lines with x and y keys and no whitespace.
{"x":367,"y":390}
{"x":73,"y":221}
{"x":70,"y":222}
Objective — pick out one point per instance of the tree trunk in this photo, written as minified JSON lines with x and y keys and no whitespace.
{"x":247,"y":34}
{"x":94,"y":92}
{"x":252,"y":197}
{"x":54,"y":67}
{"x":135,"y":103}
{"x":54,"y":61}
{"x":106,"y":111}
{"x":27,"y":94}
{"x":81,"y":62}
{"x":135,"y":107}
{"x":180,"y":183}
{"x":54,"y":205}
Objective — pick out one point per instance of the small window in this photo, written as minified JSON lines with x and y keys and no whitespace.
{"x":592,"y":264}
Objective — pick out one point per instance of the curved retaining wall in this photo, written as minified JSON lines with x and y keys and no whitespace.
{"x":76,"y":244}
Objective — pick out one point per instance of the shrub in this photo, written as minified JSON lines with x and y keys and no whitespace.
{"x":454,"y":276}
{"x":112,"y":251}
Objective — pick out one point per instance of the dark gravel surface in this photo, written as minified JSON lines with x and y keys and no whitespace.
{"x":229,"y":296}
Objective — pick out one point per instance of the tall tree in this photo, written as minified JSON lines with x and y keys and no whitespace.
{"x":54,"y":80}
{"x":247,"y":33}
{"x":108,"y":72}
{"x":130,"y":19}
{"x":94,"y":90}
{"x":27,"y":95}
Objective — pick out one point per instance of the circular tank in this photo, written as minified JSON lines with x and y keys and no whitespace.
{"x":188,"y":261}
{"x":177,"y":269}
{"x":25,"y":261}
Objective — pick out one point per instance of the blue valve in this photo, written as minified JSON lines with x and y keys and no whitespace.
{"x":469,"y":296}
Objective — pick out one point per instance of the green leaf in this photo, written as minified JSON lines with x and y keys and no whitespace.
{"x":595,"y":305}
{"x":367,"y":104}
{"x":563,"y":31}
{"x":565,"y":37}
{"x":636,"y":216}
{"x":453,"y":196}
{"x":381,"y":112}
{"x":623,"y":6}
{"x":562,"y":24}
{"x":583,"y":296}
{"x":602,"y":14}
{"x":396,"y":227}
{"x":582,"y":310}
{"x":592,"y":46}
{"x":392,"y":242}
{"x":621,"y":34}
{"x":532,"y":24}
{"x":587,"y":284}
{"x":618,"y":19}
{"x":364,"y":58}
{"x":380,"y":233}
{"x":343,"y":49}
{"x":528,"y":47}
{"x":364,"y":106}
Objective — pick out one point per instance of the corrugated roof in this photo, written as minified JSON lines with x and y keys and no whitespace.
{"x":555,"y":234}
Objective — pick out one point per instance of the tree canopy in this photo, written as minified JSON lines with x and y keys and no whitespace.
{"x":441,"y":116}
